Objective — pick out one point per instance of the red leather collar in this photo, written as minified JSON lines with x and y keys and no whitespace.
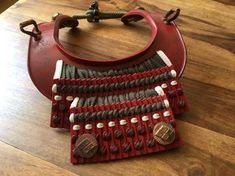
{"x":147,"y":51}
{"x":43,"y":53}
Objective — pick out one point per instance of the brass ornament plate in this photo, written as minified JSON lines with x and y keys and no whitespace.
{"x":164,"y":133}
{"x":86,"y":146}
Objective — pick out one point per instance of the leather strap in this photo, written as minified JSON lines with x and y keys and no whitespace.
{"x":134,"y":15}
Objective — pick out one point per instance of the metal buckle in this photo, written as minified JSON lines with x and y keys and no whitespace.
{"x":36,"y":35}
{"x":171,"y":15}
{"x":93,"y":14}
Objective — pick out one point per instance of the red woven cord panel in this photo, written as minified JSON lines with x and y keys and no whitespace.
{"x":60,"y":108}
{"x":106,"y":146}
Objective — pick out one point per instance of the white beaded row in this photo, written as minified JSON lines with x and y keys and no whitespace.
{"x":122,"y":122}
{"x":173,"y":83}
{"x":58,"y":97}
{"x":158,"y":89}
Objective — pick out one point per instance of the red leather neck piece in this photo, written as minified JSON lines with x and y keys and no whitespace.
{"x":43,"y":54}
{"x":147,"y":51}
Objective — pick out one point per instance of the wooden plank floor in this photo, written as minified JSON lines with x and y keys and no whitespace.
{"x":4,"y":4}
{"x":29,"y":147}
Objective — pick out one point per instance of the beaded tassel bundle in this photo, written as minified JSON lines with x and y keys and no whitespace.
{"x":118,"y":113}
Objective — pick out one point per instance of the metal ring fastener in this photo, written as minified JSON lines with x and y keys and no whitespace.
{"x":36,"y":34}
{"x":93,"y":14}
{"x":171,"y":15}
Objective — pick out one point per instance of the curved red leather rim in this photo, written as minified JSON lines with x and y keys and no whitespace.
{"x":150,"y":44}
{"x":43,"y":54}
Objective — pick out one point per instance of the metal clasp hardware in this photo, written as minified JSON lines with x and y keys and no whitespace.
{"x":93,"y":14}
{"x":171,"y":15}
{"x":36,"y":35}
{"x":164,"y":133}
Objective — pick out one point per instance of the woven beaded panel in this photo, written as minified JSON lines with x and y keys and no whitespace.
{"x":114,"y":108}
{"x":70,"y":82}
{"x":131,"y":128}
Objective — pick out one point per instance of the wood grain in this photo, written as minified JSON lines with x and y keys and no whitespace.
{"x":17,"y":162}
{"x":208,"y":130}
{"x":4,"y":4}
